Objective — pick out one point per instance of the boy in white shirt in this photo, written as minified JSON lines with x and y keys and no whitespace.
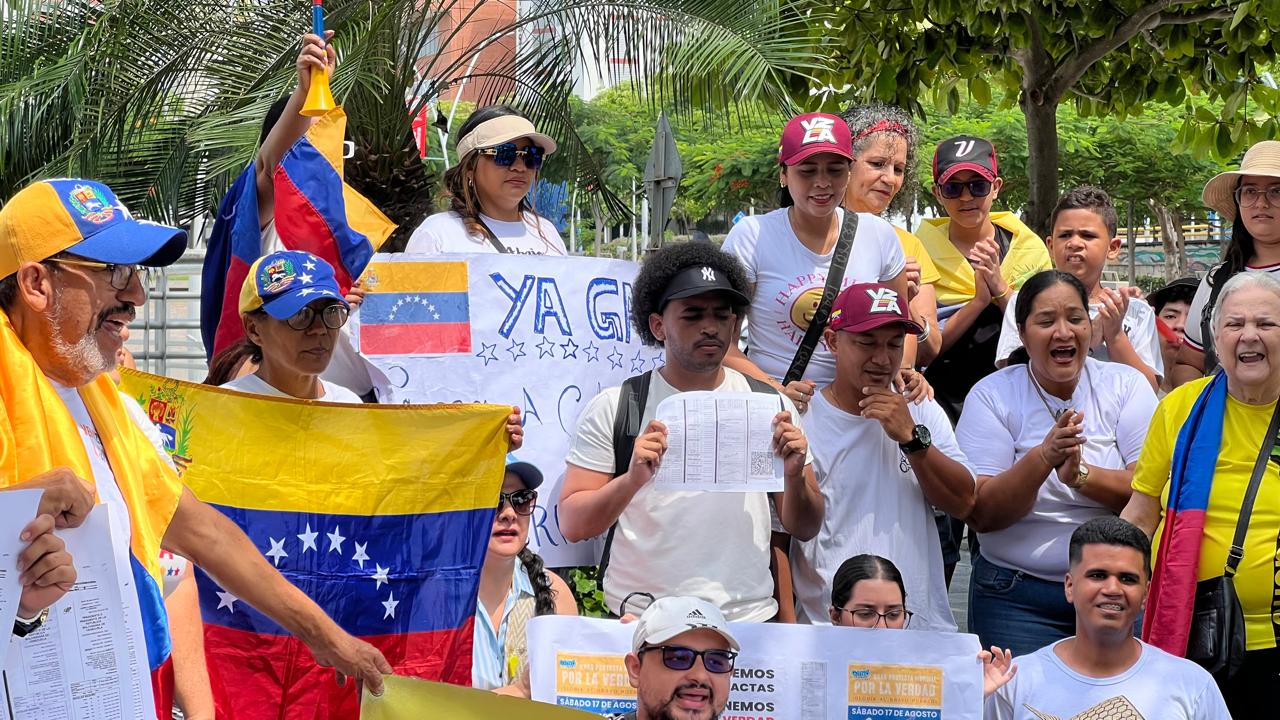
{"x":1104,"y":671}
{"x":1082,"y":240}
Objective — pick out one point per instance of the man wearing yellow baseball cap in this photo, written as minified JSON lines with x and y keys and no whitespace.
{"x":70,"y":280}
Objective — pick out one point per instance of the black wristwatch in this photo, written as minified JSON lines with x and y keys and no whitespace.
{"x":920,"y":440}
{"x":23,"y":628}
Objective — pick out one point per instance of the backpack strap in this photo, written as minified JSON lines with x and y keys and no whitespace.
{"x":626,"y":428}
{"x":1206,"y":315}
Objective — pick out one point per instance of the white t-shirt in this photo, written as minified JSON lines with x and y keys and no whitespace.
{"x":1139,"y":325}
{"x":347,"y":367}
{"x":874,"y":505}
{"x":446,"y":233}
{"x":1201,"y":299}
{"x":1159,"y":686}
{"x":788,"y":279}
{"x":1004,"y":418}
{"x":709,"y":545}
{"x":251,"y":383}
{"x":104,"y":478}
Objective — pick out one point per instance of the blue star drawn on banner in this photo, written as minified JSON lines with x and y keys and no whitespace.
{"x":546,"y":348}
{"x":592,"y":352}
{"x":487,"y":353}
{"x":570,"y":349}
{"x":658,"y":361}
{"x":516,"y":350}
{"x":615,"y":358}
{"x":637,"y":362}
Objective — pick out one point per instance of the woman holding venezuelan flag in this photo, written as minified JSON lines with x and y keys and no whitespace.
{"x":1210,"y":441}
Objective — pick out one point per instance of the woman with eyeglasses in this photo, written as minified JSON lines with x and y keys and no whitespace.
{"x":292,"y":310}
{"x":514,"y":587}
{"x":867,"y":592}
{"x":1248,"y":198}
{"x":499,"y":156}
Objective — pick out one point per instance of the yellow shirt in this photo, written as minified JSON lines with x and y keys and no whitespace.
{"x":1243,"y":426}
{"x":1027,"y":256}
{"x":912,"y":247}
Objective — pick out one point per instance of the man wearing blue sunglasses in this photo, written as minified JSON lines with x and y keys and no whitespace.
{"x":681,"y":661}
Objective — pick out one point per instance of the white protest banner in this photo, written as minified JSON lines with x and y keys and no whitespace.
{"x":544,"y":334}
{"x":785,"y":672}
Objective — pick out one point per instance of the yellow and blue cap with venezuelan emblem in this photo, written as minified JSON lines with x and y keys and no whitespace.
{"x":284,"y":282}
{"x":85,"y":218}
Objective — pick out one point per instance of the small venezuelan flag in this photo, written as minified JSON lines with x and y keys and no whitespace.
{"x":416,"y":308}
{"x":380,"y":514}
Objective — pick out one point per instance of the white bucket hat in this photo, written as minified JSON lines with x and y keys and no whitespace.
{"x":1261,"y":159}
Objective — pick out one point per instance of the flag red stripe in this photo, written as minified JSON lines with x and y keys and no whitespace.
{"x":298,"y":217}
{"x":230,"y":330}
{"x":1167,"y":619}
{"x":275,"y":675}
{"x":415,"y":338}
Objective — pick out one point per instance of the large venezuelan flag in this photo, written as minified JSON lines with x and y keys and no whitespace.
{"x":315,"y":211}
{"x":416,"y":308}
{"x":381,"y":514}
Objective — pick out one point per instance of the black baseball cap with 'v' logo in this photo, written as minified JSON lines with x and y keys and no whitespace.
{"x":964,"y":152}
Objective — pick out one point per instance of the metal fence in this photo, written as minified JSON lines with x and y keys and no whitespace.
{"x":165,"y":336}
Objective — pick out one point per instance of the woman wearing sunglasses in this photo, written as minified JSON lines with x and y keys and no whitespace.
{"x":499,"y":156}
{"x":511,"y":592}
{"x":292,"y":310}
{"x":981,"y":257}
{"x":867,"y":592}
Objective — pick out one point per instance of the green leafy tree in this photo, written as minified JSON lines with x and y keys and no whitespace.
{"x":1105,"y":57}
{"x":164,"y":100}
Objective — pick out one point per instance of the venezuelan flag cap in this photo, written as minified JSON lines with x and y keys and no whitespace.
{"x":84,"y":218}
{"x":284,"y":282}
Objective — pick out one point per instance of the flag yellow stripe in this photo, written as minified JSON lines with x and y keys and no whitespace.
{"x":416,"y":277}
{"x":290,"y":455}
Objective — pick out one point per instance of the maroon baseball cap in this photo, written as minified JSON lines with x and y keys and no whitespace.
{"x":867,"y":306}
{"x":964,"y":152}
{"x":813,"y":133}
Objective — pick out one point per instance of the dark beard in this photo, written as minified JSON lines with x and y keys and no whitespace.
{"x":664,"y":712}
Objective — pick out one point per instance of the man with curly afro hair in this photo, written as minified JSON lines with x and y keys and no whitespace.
{"x":689,"y":298}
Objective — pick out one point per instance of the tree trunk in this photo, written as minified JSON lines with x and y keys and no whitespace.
{"x":1170,"y":238}
{"x":1042,"y":162}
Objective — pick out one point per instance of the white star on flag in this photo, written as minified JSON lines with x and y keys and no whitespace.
{"x":380,"y":574}
{"x":226,"y":600}
{"x":306,"y":278}
{"x":335,"y":539}
{"x":309,"y":265}
{"x":277,"y":551}
{"x":308,"y":539}
{"x":390,"y":604}
{"x":360,"y":557}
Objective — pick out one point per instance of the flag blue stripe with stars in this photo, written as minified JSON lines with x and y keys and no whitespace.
{"x":414,"y":308}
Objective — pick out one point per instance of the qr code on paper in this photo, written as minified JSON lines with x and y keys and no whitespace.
{"x":761,"y":464}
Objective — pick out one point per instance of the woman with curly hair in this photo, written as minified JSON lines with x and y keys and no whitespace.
{"x":514,"y":586}
{"x":884,"y":161}
{"x":499,"y":156}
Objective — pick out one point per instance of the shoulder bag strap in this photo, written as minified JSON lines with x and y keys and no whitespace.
{"x":1236,"y":553}
{"x":626,"y":428}
{"x":493,"y":239}
{"x":835,"y":275}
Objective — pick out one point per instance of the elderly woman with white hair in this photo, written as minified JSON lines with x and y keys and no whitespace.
{"x":1207,"y":482}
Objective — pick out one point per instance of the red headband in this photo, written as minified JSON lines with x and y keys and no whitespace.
{"x":883,"y":126}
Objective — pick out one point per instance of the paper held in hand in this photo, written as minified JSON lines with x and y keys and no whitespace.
{"x":719,"y":442}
